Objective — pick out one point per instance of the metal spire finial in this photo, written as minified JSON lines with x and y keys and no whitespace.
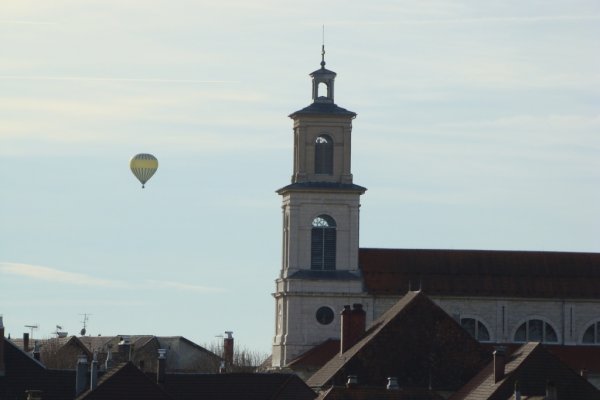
{"x":323,"y":49}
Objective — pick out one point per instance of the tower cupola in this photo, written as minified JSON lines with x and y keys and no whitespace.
{"x":323,"y":80}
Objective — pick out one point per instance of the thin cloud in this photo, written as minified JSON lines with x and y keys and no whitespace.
{"x":109,"y":79}
{"x":25,"y":22}
{"x":54,"y":275}
{"x":183,"y":286}
{"x":41,"y":273}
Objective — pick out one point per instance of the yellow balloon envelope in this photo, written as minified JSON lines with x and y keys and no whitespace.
{"x":143,"y":167}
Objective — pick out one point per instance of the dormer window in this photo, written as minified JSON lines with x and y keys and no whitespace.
{"x":324,"y":155}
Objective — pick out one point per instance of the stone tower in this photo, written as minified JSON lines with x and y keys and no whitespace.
{"x":319,"y":271}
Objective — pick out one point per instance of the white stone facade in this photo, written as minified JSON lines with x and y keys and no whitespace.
{"x":301,"y":292}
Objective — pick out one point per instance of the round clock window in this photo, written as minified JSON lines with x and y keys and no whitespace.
{"x":324,"y":315}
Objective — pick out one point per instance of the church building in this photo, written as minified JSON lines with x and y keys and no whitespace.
{"x":497,"y":296}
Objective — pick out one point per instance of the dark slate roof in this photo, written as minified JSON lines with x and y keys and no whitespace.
{"x":323,"y":109}
{"x":350,"y":187}
{"x":369,"y":393}
{"x":532,"y":274}
{"x":317,"y":356}
{"x":533,"y":367}
{"x":22,"y":373}
{"x":235,"y":386}
{"x":125,"y":381}
{"x":416,"y":341}
{"x":320,"y":274}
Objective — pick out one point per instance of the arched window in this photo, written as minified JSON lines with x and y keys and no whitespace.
{"x":536,"y":330}
{"x":592,"y":334}
{"x":476,"y":329}
{"x":323,"y":240}
{"x":324,"y":155}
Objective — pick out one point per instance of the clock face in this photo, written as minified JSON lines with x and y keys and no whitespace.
{"x":324,"y":315}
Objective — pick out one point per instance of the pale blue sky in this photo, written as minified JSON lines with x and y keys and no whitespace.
{"x":478,"y":128}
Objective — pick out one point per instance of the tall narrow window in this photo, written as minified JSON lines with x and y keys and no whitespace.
{"x":323,"y":240}
{"x":324,"y":155}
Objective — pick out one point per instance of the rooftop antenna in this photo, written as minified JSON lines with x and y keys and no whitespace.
{"x":84,"y":321}
{"x":323,"y":48}
{"x":31,"y":328}
{"x":60,"y":333}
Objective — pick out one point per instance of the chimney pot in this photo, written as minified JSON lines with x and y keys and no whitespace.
{"x":2,"y":367}
{"x":499,"y":363}
{"x":551,"y":393}
{"x":36,"y":350}
{"x":392,"y":383}
{"x":94,"y":372}
{"x":161,"y":368}
{"x":125,"y":348}
{"x":34,"y":394}
{"x":26,"y":342}
{"x":81,"y":371}
{"x":352,"y":381}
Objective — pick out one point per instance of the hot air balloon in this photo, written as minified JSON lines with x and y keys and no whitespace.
{"x":143,"y":167}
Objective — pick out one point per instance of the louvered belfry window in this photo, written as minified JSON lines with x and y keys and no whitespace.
{"x":323,"y":241}
{"x":324,"y":155}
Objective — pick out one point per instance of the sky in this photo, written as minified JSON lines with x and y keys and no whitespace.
{"x":478,"y":128}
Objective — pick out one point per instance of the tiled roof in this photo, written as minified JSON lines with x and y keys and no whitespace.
{"x":235,"y":386}
{"x":323,"y":109}
{"x":482,"y":273}
{"x":318,"y":355}
{"x":414,"y":340}
{"x":533,"y":367}
{"x":125,"y":382}
{"x":322,"y":186}
{"x":366,"y":393}
{"x":25,"y":373}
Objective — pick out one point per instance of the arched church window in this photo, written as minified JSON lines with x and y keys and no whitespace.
{"x":476,"y":329}
{"x":324,"y":155}
{"x":323,"y":243}
{"x":592,"y":334}
{"x":536,"y":330}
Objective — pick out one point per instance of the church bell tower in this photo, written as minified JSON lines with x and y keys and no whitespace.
{"x":319,"y":271}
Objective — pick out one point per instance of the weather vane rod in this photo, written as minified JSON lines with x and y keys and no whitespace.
{"x":323,"y":48}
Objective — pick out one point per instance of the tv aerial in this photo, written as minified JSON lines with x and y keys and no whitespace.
{"x":31,"y":328}
{"x":84,"y":322}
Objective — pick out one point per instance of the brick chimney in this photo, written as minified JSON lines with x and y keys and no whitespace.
{"x":228,"y":349}
{"x":2,"y":366}
{"x":26,"y":342}
{"x":499,"y":363}
{"x":161,"y":366}
{"x":81,"y":371}
{"x":353,"y":325}
{"x":125,"y":348}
